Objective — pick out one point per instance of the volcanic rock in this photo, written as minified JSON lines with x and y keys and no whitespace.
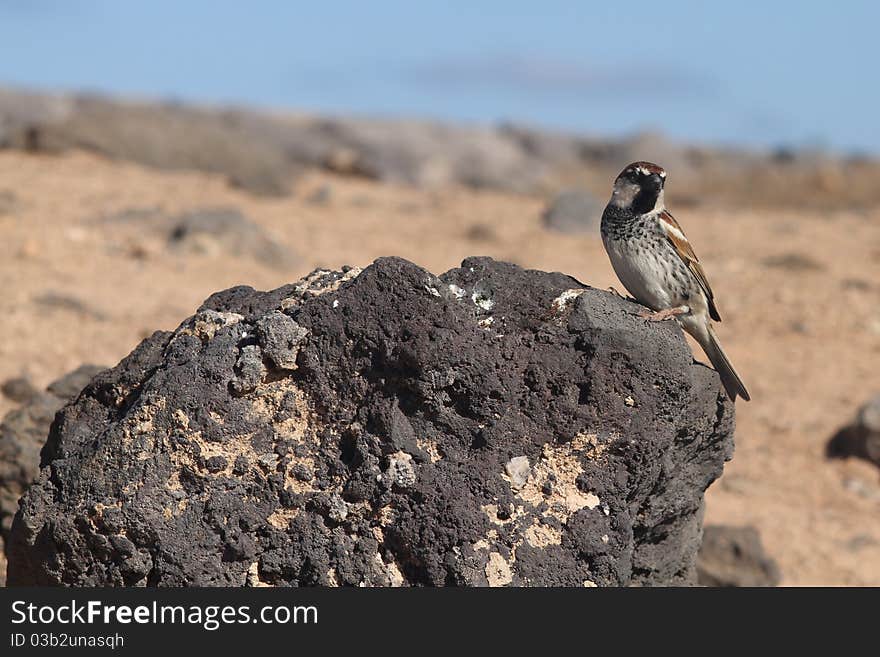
{"x":385,"y":427}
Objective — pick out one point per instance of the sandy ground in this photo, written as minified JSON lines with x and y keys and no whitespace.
{"x":800,"y":293}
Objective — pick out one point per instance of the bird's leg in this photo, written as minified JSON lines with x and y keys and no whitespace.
{"x":664,"y":314}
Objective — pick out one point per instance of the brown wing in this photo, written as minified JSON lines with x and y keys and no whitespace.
{"x":677,"y":238}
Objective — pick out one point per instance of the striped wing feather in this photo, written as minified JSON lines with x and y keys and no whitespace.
{"x":677,"y":238}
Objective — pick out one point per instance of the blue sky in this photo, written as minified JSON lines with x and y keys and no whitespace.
{"x":765,"y":74}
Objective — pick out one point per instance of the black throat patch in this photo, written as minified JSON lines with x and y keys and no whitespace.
{"x":645,"y":200}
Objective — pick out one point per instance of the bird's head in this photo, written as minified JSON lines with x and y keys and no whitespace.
{"x":639,"y":188}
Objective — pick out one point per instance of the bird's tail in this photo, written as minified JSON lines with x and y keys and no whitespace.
{"x":729,"y":378}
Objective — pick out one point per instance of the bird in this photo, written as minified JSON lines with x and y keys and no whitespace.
{"x":655,"y":262}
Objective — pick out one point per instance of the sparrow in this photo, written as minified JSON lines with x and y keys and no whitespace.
{"x":657,"y":265}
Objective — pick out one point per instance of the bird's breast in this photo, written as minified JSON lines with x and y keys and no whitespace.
{"x":644,"y":270}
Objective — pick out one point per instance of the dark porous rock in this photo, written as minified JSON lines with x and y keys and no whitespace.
{"x":573,"y":211}
{"x":23,"y":433}
{"x":489,"y":426}
{"x":861,"y":438}
{"x":734,"y":556}
{"x":227,"y":231}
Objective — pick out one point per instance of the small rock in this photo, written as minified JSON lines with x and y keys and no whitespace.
{"x":23,"y":433}
{"x":573,"y":212}
{"x":793,"y":262}
{"x":799,"y":326}
{"x":70,"y":385}
{"x":518,"y":469}
{"x":18,"y":390}
{"x":240,"y":466}
{"x":221,"y":230}
{"x":869,"y":415}
{"x":321,"y":196}
{"x":734,"y":556}
{"x":861,"y":438}
{"x":140,"y":216}
{"x":215,"y":464}
{"x":857,"y":284}
{"x":302,"y":472}
{"x":401,"y":472}
{"x":68,"y":303}
{"x":337,"y":508}
{"x":481,"y":233}
{"x":280,"y":338}
{"x":250,"y":370}
{"x":860,"y":541}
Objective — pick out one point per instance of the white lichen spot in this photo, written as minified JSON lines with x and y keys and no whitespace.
{"x":457,"y":291}
{"x":312,"y":286}
{"x":590,"y":584}
{"x":498,"y":571}
{"x":486,"y":322}
{"x":517,"y":470}
{"x":629,"y":401}
{"x":482,"y":301}
{"x":206,"y":323}
{"x":563,"y":301}
{"x":336,"y":303}
{"x":433,"y":291}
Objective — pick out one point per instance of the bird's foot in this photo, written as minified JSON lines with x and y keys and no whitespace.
{"x":616,"y":293}
{"x":662,"y":315}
